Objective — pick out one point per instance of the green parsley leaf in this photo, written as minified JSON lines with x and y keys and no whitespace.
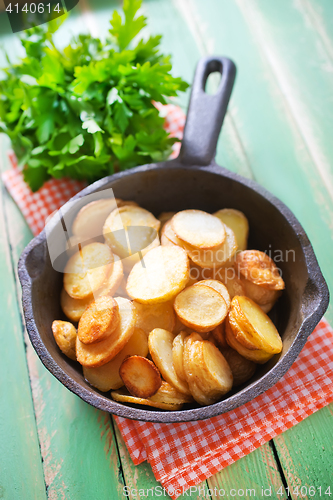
{"x":87,"y":110}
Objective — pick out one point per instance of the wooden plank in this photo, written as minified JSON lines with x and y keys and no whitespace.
{"x":306,"y":455}
{"x":21,"y":472}
{"x":259,"y":472}
{"x":319,"y":14}
{"x":303,"y":70}
{"x":76,"y":440}
{"x":140,"y":478}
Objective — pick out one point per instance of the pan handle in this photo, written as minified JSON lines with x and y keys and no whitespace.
{"x":206,"y":112}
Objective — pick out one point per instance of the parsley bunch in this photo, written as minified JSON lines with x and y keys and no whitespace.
{"x":86,"y":111}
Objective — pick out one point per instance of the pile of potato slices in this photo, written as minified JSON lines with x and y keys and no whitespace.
{"x":166,"y":312}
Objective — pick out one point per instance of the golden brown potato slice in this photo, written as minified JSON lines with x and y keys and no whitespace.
{"x":219,"y":335}
{"x":99,"y":320}
{"x":160,"y":347}
{"x":219,"y":287}
{"x":154,"y":316}
{"x":218,"y":256}
{"x":258,"y":356}
{"x":124,"y":397}
{"x":259,"y":327}
{"x":229,"y":278}
{"x":140,"y":376}
{"x":65,"y":336}
{"x":74,"y":244}
{"x":98,"y":354}
{"x":239,"y":330}
{"x":129,"y":261}
{"x":114,"y":279}
{"x":198,"y":229}
{"x":200,"y":307}
{"x":123,"y":240}
{"x":169,"y":394}
{"x":169,"y":237}
{"x":267,"y":307}
{"x":161,"y":275}
{"x":90,"y":220}
{"x":165,"y":217}
{"x":237,"y":221}
{"x":259,"y":268}
{"x":213,"y":373}
{"x":264,"y":297}
{"x":73,"y":308}
{"x":87,"y":270}
{"x":191,"y":357}
{"x":242,"y":369}
{"x":106,"y":377}
{"x":177,"y":354}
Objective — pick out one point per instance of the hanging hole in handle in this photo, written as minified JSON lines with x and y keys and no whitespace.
{"x":213,"y":82}
{"x":213,"y":76}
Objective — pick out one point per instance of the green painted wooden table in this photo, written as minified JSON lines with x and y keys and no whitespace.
{"x":278,"y":131}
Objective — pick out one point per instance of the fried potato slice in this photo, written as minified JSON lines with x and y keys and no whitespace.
{"x":90,"y":219}
{"x":267,"y":307}
{"x":160,"y":347}
{"x":169,"y":237}
{"x":106,"y":377}
{"x":190,"y":359}
{"x":73,"y":308}
{"x":258,"y":356}
{"x":259,"y":268}
{"x":65,"y":336}
{"x":154,"y":316}
{"x":140,"y":376}
{"x":218,"y":256}
{"x":198,"y":229}
{"x":165,"y":217}
{"x":98,"y":354}
{"x":99,"y":320}
{"x":229,"y":278}
{"x":200,"y":307}
{"x":113,"y":280}
{"x":219,"y":287}
{"x":131,"y":260}
{"x":258,"y":326}
{"x":236,"y":220}
{"x":219,"y":335}
{"x":169,"y":394}
{"x":162,"y":274}
{"x":242,"y":369}
{"x":260,"y":294}
{"x":213,"y":373}
{"x":87,"y":269}
{"x":240,"y":332}
{"x":129,"y":230}
{"x":177,"y":354}
{"x":125,"y":397}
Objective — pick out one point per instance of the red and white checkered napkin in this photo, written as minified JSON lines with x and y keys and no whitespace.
{"x":184,"y":454}
{"x":36,"y":207}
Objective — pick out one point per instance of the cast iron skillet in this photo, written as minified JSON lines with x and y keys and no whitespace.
{"x":193,"y":180}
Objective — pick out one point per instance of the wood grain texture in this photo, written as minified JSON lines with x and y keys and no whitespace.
{"x":306,"y":454}
{"x":256,"y":472}
{"x":21,"y":473}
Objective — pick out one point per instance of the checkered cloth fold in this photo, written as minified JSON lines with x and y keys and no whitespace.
{"x":184,"y":454}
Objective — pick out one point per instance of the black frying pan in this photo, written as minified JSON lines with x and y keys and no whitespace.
{"x":193,"y":180}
